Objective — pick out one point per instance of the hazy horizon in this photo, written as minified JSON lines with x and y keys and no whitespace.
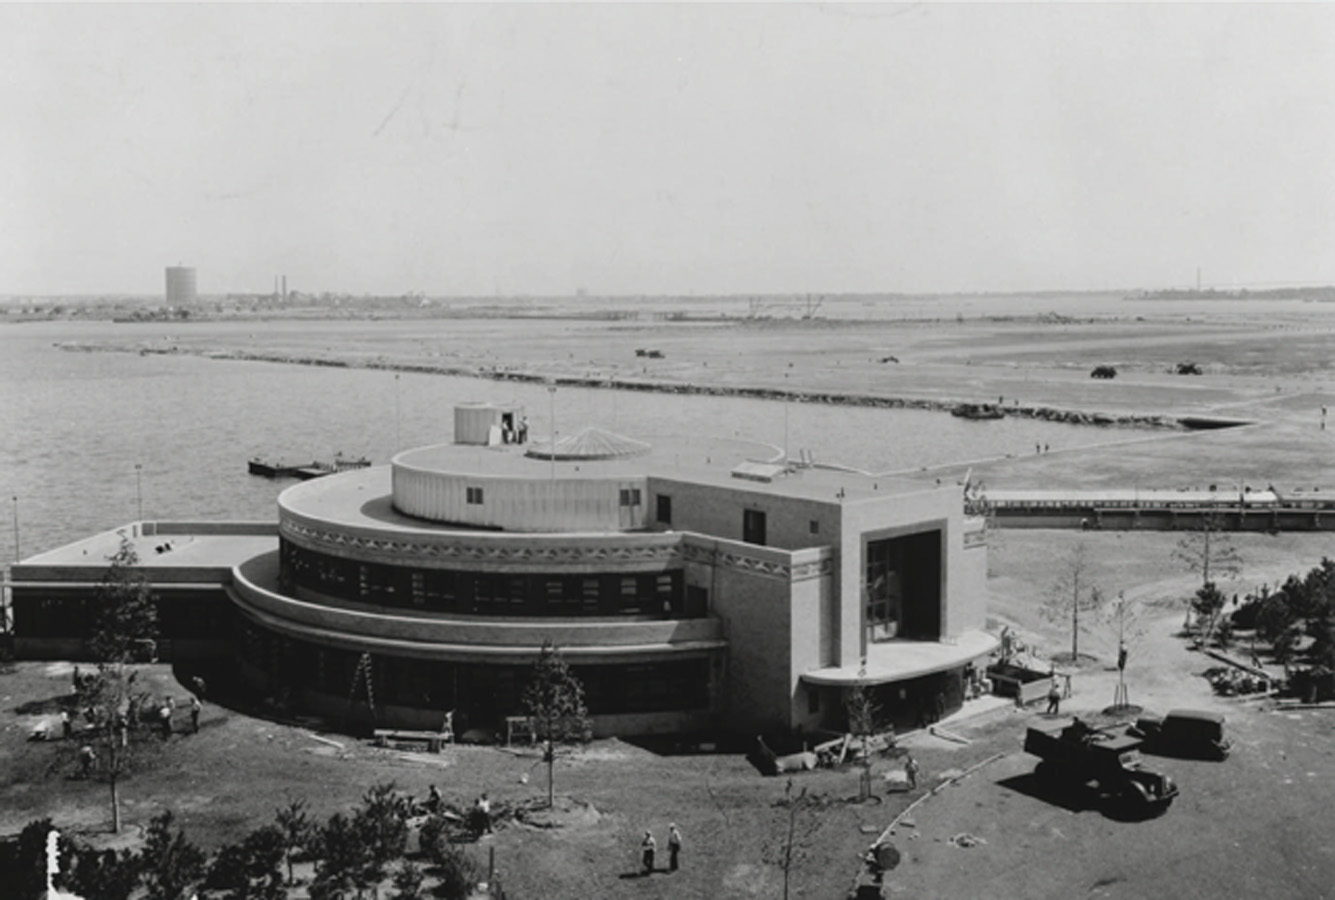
{"x":681,"y":149}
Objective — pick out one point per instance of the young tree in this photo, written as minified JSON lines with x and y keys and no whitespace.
{"x":342,"y":856}
{"x":126,"y":619}
{"x":862,"y":710}
{"x":382,"y":824}
{"x":554,"y":698}
{"x":792,"y":848}
{"x":1208,"y":550}
{"x":408,"y":882}
{"x":1073,"y":593}
{"x":252,"y":869}
{"x":1208,"y":603}
{"x":298,"y":831}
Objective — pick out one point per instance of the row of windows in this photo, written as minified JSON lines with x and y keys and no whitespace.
{"x":479,"y":692}
{"x":485,"y":593}
{"x":56,"y":616}
{"x":628,"y":497}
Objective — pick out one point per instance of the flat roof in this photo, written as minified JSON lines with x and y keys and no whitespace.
{"x":210,"y":547}
{"x":709,"y":460}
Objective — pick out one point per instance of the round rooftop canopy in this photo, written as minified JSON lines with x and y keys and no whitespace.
{"x":591,"y":443}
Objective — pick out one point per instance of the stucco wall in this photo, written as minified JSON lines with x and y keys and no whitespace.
{"x":716,"y":510}
{"x":517,"y":503}
{"x":895,"y":516}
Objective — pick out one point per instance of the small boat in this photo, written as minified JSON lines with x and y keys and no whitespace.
{"x":340,"y":463}
{"x":977,"y":411}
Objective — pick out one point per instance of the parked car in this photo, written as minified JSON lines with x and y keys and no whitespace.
{"x":1183,"y":732}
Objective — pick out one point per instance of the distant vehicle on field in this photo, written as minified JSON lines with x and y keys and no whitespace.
{"x":1103,"y":372}
{"x":1183,"y":732}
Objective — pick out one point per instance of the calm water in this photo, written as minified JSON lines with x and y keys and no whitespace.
{"x":73,"y":426}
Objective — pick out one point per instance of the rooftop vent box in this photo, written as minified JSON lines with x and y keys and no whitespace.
{"x":759,"y":471}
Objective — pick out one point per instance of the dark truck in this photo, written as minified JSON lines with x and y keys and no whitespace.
{"x":1190,"y":733}
{"x":1079,"y":754}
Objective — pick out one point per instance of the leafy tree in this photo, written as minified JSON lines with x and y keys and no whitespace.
{"x":171,"y":863}
{"x":408,"y":882}
{"x":458,"y":873}
{"x":1208,"y":550}
{"x":1073,"y":593}
{"x":252,"y":869}
{"x":299,"y":832}
{"x":381,"y":822}
{"x":554,"y":698}
{"x":342,"y":856}
{"x":105,"y":874}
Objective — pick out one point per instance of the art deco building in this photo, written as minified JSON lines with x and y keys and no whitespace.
{"x":690,"y":583}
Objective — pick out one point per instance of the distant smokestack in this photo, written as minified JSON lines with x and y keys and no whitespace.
{"x":284,"y":288}
{"x":180,"y":285}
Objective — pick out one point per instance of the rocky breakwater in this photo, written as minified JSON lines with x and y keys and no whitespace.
{"x":754,"y":392}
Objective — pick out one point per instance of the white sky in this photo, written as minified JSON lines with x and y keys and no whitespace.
{"x":633,"y":148}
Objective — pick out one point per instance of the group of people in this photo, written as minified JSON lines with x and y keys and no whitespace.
{"x":516,"y":433}
{"x":649,"y":846}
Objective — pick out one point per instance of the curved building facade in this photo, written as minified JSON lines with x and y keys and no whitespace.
{"x":690,"y":584}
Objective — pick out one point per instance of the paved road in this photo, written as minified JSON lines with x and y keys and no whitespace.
{"x":1260,"y":824}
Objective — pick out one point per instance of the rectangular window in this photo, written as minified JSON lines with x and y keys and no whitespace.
{"x":475,"y":496}
{"x":630,"y":497}
{"x":813,"y":699}
{"x":753,"y":526}
{"x":665,"y":509}
{"x":815,"y":527}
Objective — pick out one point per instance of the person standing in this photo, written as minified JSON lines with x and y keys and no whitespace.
{"x":674,"y":846}
{"x":195,"y":708}
{"x":87,"y":759}
{"x":647,"y":848}
{"x":911,"y":771}
{"x":165,"y":720}
{"x":66,"y":726}
{"x":1054,"y":696}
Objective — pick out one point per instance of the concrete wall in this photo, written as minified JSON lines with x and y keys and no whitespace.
{"x":717,"y":510}
{"x":897,"y":516}
{"x":519,"y":503}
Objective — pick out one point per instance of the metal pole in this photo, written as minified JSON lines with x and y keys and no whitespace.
{"x":139,"y":490}
{"x":17,"y":555}
{"x":785,"y":418}
{"x":551,"y":392}
{"x":397,"y":442}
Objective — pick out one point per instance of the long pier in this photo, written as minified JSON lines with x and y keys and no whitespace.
{"x":1160,"y":510}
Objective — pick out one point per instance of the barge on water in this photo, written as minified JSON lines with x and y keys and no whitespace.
{"x":340,"y":463}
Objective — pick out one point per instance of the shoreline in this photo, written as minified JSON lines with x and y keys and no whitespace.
{"x":1142,"y":421}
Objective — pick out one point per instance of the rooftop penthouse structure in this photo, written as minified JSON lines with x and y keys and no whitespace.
{"x":691,"y":583}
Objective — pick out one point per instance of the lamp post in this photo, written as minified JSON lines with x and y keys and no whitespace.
{"x":785,"y":418}
{"x":139,"y":490}
{"x":397,"y":442}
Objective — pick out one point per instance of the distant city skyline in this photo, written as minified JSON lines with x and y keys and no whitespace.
{"x":660,"y":149}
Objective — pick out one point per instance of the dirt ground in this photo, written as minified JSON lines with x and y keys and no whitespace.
{"x":237,"y":770}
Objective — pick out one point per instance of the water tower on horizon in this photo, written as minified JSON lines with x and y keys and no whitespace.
{"x":180,"y":285}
